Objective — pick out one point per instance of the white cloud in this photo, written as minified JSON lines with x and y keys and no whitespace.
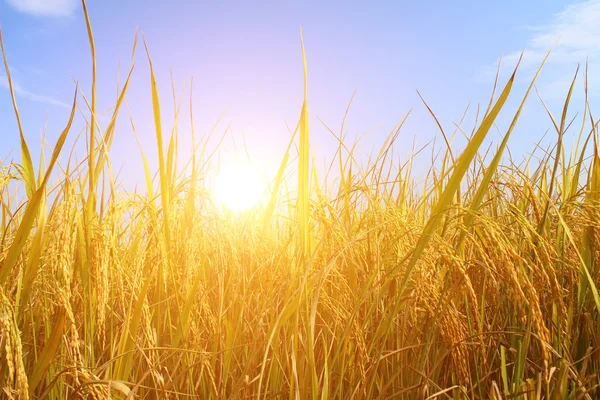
{"x":578,"y":29}
{"x":19,"y":91}
{"x":55,"y":8}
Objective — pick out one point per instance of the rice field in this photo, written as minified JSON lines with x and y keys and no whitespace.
{"x":478,"y":283}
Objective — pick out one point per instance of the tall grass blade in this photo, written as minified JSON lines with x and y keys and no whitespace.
{"x":460,"y":168}
{"x":491,"y":169}
{"x":303,"y":169}
{"x":48,"y":352}
{"x":26,"y":163}
{"x":32,"y":210}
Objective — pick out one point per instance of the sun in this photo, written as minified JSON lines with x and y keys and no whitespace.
{"x":238,"y":187}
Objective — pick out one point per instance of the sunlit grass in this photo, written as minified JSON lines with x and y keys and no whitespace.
{"x":480,"y":282}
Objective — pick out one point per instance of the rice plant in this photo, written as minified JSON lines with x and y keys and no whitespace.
{"x":478,"y":283}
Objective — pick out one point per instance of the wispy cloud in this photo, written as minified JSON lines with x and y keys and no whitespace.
{"x":53,"y":8}
{"x":21,"y":92}
{"x":578,"y":29}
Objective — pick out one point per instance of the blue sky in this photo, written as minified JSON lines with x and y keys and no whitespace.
{"x":245,"y":58}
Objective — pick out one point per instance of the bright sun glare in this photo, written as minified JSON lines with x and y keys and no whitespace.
{"x":238,"y":187}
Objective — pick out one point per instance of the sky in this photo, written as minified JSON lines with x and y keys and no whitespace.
{"x":245,"y":60}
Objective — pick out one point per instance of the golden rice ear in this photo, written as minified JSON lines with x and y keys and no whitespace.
{"x":11,"y":353}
